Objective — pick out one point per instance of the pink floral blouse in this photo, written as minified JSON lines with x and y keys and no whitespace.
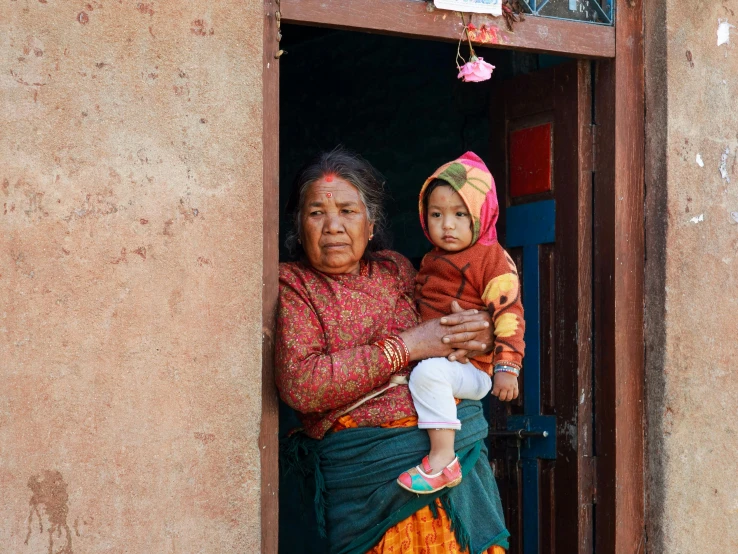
{"x":326,"y":327}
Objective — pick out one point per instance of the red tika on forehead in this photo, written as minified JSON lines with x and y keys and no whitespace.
{"x":328,"y":177}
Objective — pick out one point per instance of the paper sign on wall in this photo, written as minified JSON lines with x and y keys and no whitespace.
{"x":492,"y":7}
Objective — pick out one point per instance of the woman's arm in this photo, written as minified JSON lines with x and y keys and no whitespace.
{"x":309,"y":380}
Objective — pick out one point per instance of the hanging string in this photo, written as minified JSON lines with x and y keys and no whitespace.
{"x":472,"y":54}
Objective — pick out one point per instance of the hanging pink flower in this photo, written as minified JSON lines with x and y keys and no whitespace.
{"x":476,"y":70}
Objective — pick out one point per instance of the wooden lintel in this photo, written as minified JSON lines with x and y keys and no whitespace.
{"x":411,"y":18}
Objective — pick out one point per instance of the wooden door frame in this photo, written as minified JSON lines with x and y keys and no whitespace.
{"x":619,"y":254}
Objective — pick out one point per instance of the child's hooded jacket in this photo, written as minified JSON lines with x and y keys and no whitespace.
{"x":482,"y":276}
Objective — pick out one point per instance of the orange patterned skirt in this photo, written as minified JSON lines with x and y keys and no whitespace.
{"x":420,"y":533}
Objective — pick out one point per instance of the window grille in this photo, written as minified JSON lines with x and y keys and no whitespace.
{"x":590,"y":11}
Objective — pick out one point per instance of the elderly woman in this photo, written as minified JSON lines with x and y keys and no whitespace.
{"x":347,"y":337}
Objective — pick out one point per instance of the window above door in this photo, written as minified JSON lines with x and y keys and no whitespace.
{"x":590,"y":11}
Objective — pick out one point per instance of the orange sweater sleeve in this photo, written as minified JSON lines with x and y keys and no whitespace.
{"x":501,"y":295}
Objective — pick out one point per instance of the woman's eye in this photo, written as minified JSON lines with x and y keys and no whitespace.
{"x":347,"y":211}
{"x":315,"y":213}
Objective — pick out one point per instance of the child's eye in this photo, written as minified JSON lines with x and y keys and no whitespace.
{"x":462,"y":214}
{"x":435,"y":214}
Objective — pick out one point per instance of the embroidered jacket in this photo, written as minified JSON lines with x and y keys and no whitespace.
{"x":326,"y":327}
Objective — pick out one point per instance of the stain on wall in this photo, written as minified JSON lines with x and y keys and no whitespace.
{"x":130,"y":271}
{"x":692,"y":276}
{"x":49,"y":493}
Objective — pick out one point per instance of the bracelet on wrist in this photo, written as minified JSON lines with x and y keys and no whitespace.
{"x":395,"y":350}
{"x":504,"y":368}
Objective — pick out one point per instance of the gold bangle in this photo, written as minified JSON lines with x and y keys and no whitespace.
{"x":400,"y":350}
{"x":391,"y":343}
{"x":404,"y":348}
{"x":395,"y":350}
{"x":383,"y":348}
{"x":392,"y":356}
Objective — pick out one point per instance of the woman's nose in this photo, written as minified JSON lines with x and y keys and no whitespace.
{"x":332,"y":223}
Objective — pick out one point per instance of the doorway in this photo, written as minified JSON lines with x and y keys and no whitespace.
{"x":397,"y":102}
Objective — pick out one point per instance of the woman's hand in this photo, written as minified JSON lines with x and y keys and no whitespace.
{"x":469,"y":332}
{"x":461,"y":334}
{"x":426,"y":340}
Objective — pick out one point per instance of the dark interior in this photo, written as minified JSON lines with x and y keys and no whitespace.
{"x":398,"y":103}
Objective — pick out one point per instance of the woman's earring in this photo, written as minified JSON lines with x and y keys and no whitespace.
{"x":371,"y":236}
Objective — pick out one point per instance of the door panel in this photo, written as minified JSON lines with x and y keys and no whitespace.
{"x":542,"y":131}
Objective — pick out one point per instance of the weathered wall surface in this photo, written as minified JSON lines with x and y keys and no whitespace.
{"x":692,"y":301}
{"x":130,"y":276}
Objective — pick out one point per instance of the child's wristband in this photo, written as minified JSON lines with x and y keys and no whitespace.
{"x":502,"y":368}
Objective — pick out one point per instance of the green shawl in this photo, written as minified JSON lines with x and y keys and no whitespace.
{"x":357,"y":498}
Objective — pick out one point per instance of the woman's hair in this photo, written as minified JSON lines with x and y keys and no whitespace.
{"x":353,"y":169}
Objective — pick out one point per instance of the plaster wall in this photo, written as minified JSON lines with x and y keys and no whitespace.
{"x":130,"y":276}
{"x":692,"y":277}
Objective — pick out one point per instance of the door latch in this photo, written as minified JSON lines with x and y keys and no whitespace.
{"x":535,"y":436}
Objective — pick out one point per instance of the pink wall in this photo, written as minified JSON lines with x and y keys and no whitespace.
{"x":692,"y":277}
{"x":130,"y":271}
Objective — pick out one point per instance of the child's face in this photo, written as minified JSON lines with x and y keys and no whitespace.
{"x":449,"y":222}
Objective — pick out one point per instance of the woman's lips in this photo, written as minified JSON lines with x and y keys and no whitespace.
{"x":333,"y":246}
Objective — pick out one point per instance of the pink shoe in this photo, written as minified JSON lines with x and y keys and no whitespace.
{"x":420,"y":481}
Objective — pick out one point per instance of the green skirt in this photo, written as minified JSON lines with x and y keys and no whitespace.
{"x":357,"y":498}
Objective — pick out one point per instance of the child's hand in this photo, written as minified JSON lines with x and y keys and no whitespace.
{"x":506,"y":386}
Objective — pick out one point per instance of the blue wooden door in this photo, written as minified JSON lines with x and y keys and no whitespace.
{"x":541,"y":445}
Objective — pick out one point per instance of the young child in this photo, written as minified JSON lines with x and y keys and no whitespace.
{"x":458,"y":212}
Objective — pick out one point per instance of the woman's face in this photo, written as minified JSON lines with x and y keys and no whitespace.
{"x":335,"y":226}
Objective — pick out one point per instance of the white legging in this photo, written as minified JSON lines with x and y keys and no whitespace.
{"x":435,"y":382}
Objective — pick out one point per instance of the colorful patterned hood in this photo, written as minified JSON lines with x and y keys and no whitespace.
{"x":473,"y":181}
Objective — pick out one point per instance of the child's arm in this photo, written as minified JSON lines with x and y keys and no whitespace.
{"x":502,"y":298}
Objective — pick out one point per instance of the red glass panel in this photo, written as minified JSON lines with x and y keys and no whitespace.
{"x":530,"y":160}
